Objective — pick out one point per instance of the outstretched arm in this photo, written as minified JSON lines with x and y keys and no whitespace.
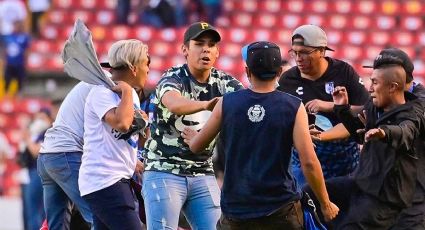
{"x":199,"y":141}
{"x":180,"y":105}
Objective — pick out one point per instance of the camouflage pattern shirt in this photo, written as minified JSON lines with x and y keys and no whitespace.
{"x":165,"y":150}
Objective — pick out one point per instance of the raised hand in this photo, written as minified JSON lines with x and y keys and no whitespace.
{"x":371,"y":134}
{"x":340,"y":95}
{"x":317,"y":105}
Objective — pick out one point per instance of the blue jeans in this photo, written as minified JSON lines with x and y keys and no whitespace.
{"x":32,"y":194}
{"x":59,"y":174}
{"x":166,"y":194}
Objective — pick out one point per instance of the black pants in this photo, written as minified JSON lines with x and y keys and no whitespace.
{"x":114,"y":207}
{"x":288,"y":217}
{"x":358,"y":210}
{"x":14,"y":72}
{"x":413,"y":218}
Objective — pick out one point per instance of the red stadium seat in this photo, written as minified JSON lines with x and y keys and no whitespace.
{"x":337,"y":21}
{"x":107,"y":4}
{"x":290,"y":21}
{"x":352,"y":52}
{"x":36,"y":61}
{"x":242,"y":19}
{"x":63,"y":4}
{"x":84,"y":15}
{"x":356,"y":37}
{"x":282,"y":36}
{"x":105,"y":17}
{"x":236,"y":35}
{"x":99,"y":33}
{"x":390,"y":7}
{"x":88,"y":4}
{"x":50,"y":32}
{"x":246,"y":6}
{"x":226,"y":63}
{"x":270,"y":6}
{"x":372,"y":52}
{"x":385,"y":22}
{"x":120,"y":32}
{"x":366,"y":6}
{"x":412,"y":7}
{"x":59,"y":17}
{"x":314,"y":19}
{"x":259,"y":35}
{"x":231,"y":49}
{"x":379,"y":38}
{"x":168,"y":35}
{"x":144,"y":33}
{"x":319,"y":6}
{"x":402,"y":38}
{"x":412,"y":23}
{"x":229,"y":6}
{"x":343,"y":6}
{"x":361,"y":22}
{"x":295,"y":6}
{"x":420,"y":39}
{"x":161,"y":49}
{"x":334,"y":37}
{"x":266,"y":21}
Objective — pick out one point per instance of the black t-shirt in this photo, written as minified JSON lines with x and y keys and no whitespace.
{"x":338,"y":73}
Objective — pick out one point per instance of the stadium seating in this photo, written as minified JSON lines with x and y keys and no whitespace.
{"x":359,"y":29}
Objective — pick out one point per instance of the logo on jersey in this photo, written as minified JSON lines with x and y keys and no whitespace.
{"x":193,"y":121}
{"x":329,"y":87}
{"x":256,"y":113}
{"x":299,"y":91}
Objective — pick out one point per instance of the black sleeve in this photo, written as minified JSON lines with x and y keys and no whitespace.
{"x":351,"y":122}
{"x":355,"y":87}
{"x":408,"y":130}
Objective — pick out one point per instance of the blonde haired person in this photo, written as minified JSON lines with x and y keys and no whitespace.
{"x":110,"y":138}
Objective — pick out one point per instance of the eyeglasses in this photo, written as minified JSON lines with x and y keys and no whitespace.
{"x":301,"y":53}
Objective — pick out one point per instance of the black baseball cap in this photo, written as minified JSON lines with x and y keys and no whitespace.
{"x":196,"y":29}
{"x":394,"y":56}
{"x":262,"y":58}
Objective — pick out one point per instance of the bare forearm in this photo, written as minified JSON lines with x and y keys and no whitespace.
{"x":124,"y":113}
{"x":314,"y":176}
{"x":183,"y":106}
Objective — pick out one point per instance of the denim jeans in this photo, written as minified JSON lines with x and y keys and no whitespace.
{"x":166,"y":194}
{"x":32,"y":194}
{"x":59,"y":174}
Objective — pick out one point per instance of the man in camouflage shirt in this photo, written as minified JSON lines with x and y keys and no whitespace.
{"x":176,"y":179}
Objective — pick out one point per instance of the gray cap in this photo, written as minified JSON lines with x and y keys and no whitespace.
{"x":313,"y":36}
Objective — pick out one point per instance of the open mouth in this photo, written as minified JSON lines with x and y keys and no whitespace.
{"x":206,"y":59}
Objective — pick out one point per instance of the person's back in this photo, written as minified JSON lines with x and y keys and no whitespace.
{"x":66,"y":134}
{"x":258,"y":188}
{"x":60,"y":154}
{"x":257,"y":129}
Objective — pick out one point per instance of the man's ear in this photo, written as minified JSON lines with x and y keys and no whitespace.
{"x":184,"y":49}
{"x":394,"y":87}
{"x":248,"y":73}
{"x":134,"y":70}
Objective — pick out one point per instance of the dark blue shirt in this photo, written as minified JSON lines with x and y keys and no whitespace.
{"x":257,"y":133}
{"x":15,"y":46}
